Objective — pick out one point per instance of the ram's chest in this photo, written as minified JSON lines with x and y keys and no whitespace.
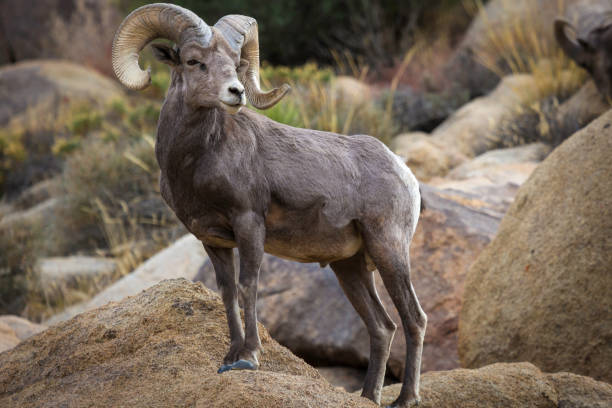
{"x":203,"y":197}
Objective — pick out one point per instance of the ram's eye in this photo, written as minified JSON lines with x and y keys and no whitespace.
{"x":203,"y":67}
{"x":192,"y":62}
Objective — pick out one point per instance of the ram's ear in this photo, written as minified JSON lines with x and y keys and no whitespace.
{"x":578,"y":50}
{"x":166,"y":54}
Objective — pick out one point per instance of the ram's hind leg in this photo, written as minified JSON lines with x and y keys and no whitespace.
{"x":389,"y":249}
{"x":358,"y":285}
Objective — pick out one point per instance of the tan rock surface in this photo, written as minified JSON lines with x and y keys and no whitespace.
{"x":500,"y":165}
{"x":517,"y":385}
{"x":540,"y":291}
{"x":426,"y":156}
{"x":161,"y":347}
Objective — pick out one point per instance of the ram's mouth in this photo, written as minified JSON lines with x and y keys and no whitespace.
{"x":235,"y":105}
{"x":232,"y":108}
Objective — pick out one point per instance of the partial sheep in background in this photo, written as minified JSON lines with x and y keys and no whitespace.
{"x":591,"y":44}
{"x":238,"y":179}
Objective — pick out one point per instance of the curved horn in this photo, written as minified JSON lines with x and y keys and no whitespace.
{"x":571,"y":47}
{"x":241,"y":34}
{"x":143,"y":25}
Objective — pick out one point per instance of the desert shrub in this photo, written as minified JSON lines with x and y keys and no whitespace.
{"x":112,"y":202}
{"x":314,"y":103}
{"x":26,"y":157}
{"x":19,"y":246}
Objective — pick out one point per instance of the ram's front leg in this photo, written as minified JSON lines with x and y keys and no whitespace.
{"x":249,"y":233}
{"x":223,"y":262}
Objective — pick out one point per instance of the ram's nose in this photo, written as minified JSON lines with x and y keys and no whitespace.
{"x":236,"y":89}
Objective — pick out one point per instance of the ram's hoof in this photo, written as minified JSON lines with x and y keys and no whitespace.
{"x":238,"y":365}
{"x":412,"y":404}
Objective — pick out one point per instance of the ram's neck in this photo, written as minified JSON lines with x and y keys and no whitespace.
{"x":182,"y":129}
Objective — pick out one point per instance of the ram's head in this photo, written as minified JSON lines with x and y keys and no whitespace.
{"x":214,"y":66}
{"x":590,"y":45}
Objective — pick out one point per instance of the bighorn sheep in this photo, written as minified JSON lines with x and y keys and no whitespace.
{"x":238,"y":179}
{"x":591,"y":47}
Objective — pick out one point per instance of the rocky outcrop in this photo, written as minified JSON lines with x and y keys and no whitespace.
{"x":415,"y":110}
{"x":540,"y":292}
{"x":161,"y":347}
{"x":77,"y":30}
{"x":468,"y":132}
{"x":516,"y":385}
{"x":305,"y":309}
{"x":182,"y":259}
{"x":501,"y":165}
{"x":426,"y":156}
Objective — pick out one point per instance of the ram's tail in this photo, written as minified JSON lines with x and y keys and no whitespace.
{"x":423,"y":207}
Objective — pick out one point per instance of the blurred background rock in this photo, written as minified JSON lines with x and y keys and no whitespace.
{"x":472,"y":94}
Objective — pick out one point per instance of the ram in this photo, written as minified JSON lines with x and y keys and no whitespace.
{"x":237,"y":179}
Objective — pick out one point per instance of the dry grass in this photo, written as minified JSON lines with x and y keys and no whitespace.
{"x":315,"y":101}
{"x":522,"y":45}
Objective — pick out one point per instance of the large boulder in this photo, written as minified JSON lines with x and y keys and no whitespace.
{"x":41,"y":93}
{"x":159,"y":348}
{"x":499,"y":164}
{"x":40,"y":102}
{"x":182,"y":259}
{"x":517,"y":385}
{"x":415,"y":110}
{"x":304,"y":308}
{"x":77,"y":30}
{"x":426,"y":156}
{"x":540,"y":291}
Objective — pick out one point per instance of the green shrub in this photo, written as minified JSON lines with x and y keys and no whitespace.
{"x":84,"y":120}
